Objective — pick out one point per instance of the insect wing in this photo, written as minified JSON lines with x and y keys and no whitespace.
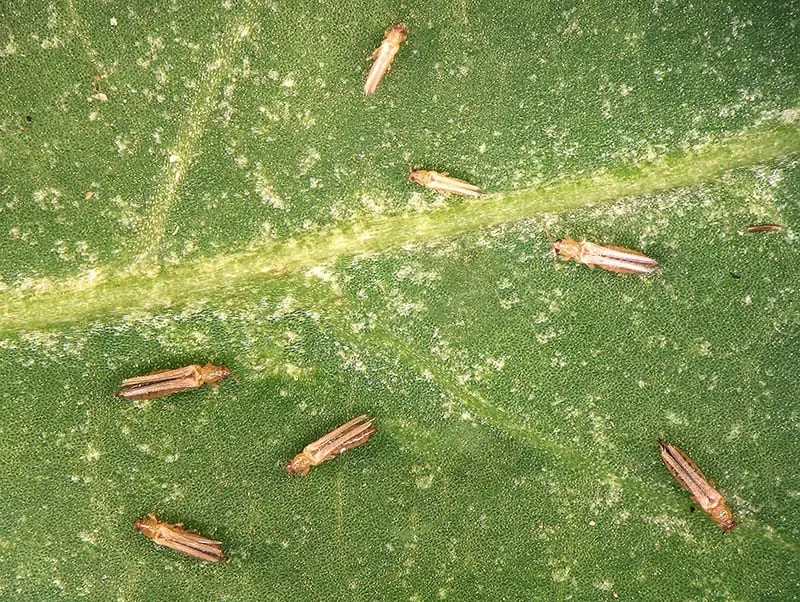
{"x":626,"y":254}
{"x":617,"y":259}
{"x":445,"y":183}
{"x":618,"y":265}
{"x":358,"y":436}
{"x":158,"y":389}
{"x":209,"y":554}
{"x":334,"y":434}
{"x":351,"y":434}
{"x":189,"y":543}
{"x":161,"y":383}
{"x":162,"y":375}
{"x":689,"y":475}
{"x":379,"y":68}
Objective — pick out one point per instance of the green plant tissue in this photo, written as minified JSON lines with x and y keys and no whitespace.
{"x":184,"y":182}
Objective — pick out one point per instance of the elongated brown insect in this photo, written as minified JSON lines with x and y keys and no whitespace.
{"x":349,"y":435}
{"x":185,"y":541}
{"x":442,"y":182}
{"x":695,"y":482}
{"x":765,"y":228}
{"x":383,"y":56}
{"x":613,"y":259}
{"x":165,"y":382}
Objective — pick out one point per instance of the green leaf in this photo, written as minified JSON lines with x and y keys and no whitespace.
{"x":192,"y":182}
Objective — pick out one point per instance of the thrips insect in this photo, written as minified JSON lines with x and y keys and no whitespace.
{"x":383,"y":56}
{"x":351,"y":434}
{"x":613,"y":259}
{"x":695,"y":482}
{"x":166,"y":382}
{"x":185,"y":541}
{"x":765,"y":228}
{"x":442,"y":182}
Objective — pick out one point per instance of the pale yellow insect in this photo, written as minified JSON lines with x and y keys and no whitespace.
{"x":613,"y":259}
{"x":185,"y":541}
{"x":383,"y":56}
{"x":443,"y":182}
{"x":695,"y":482}
{"x":165,"y":382}
{"x":349,"y":435}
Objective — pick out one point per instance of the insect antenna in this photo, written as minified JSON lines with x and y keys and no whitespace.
{"x":549,"y":238}
{"x":552,"y":243}
{"x":407,"y":159}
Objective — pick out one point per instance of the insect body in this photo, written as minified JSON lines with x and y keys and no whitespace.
{"x":185,"y":541}
{"x":695,"y":482}
{"x":613,"y":259}
{"x":351,"y":434}
{"x":442,"y":182}
{"x":383,"y":56}
{"x":765,"y":228}
{"x":165,"y":382}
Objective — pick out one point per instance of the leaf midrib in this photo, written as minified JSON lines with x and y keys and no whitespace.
{"x":112,"y":290}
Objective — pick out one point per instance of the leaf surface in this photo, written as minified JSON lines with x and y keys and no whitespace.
{"x":191,"y":182}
